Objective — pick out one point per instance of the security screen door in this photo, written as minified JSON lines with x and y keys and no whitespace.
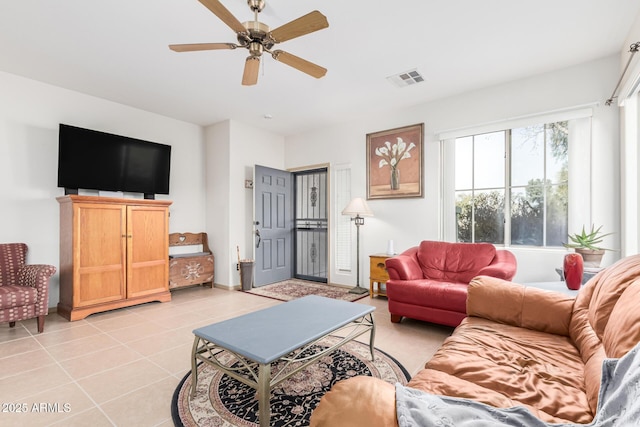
{"x":311,"y":225}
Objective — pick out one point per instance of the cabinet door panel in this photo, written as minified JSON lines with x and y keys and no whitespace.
{"x":99,"y":254}
{"x":147,"y":250}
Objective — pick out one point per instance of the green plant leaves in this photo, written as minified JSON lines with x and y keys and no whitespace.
{"x":588,"y":240}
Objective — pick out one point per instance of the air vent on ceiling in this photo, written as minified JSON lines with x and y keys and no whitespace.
{"x":406,"y":78}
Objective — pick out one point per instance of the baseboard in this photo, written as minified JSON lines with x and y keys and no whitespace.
{"x":227,"y":287}
{"x":54,"y":309}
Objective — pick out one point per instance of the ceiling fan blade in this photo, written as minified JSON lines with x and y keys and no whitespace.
{"x":225,"y":16}
{"x":200,"y":46}
{"x":251,"y":68}
{"x":300,"y":64}
{"x":306,"y":24}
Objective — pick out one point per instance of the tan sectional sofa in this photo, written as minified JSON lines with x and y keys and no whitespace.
{"x":519,"y":346}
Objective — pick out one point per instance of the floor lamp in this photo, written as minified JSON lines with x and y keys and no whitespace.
{"x":357,"y":209}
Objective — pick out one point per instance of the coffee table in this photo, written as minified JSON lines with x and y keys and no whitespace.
{"x":286,"y":332}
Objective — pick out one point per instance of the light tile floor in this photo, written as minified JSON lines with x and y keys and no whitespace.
{"x":121,"y":367}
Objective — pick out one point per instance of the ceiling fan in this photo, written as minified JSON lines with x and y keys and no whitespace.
{"x":258,"y":38}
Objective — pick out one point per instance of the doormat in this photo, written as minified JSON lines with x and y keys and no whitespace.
{"x":293,"y":288}
{"x":222,"y":401}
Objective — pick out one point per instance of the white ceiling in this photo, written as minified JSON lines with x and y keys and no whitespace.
{"x":117,"y":50}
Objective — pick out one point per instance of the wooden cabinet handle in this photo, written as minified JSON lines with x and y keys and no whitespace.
{"x":381,"y":265}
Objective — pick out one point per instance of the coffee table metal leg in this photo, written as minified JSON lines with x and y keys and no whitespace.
{"x":372,"y":336}
{"x":194,"y":366}
{"x":264,"y":394}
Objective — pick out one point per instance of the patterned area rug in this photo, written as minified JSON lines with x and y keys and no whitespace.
{"x":292,"y":289}
{"x":222,"y":401}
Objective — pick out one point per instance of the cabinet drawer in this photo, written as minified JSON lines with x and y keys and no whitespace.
{"x":186,"y":271}
{"x":377,"y":269}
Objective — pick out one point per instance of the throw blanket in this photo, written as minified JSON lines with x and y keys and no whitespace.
{"x":618,"y":404}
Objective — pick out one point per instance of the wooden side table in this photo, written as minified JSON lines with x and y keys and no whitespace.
{"x":377,"y":274}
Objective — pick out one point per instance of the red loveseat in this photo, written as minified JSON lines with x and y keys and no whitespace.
{"x":429,"y":282}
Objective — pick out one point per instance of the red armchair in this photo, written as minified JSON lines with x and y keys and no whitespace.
{"x":429,"y":282}
{"x":24,"y":289}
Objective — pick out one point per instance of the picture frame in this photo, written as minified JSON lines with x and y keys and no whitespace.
{"x":394,"y":163}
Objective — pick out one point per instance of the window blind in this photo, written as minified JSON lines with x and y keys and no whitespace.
{"x":343,"y":222}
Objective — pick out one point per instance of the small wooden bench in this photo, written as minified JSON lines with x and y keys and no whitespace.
{"x":194,"y":268}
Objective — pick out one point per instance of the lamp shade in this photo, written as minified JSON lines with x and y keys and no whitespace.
{"x":357,"y":206}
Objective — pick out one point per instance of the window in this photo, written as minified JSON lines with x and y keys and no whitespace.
{"x":630,"y":175}
{"x":511,"y":186}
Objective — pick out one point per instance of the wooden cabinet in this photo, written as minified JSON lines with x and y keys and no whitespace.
{"x":113,"y":253}
{"x":377,"y":274}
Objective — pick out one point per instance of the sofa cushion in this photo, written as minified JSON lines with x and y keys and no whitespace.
{"x":504,"y":365}
{"x":456,"y":262}
{"x":518,"y":305}
{"x":605,"y":318}
{"x":613,"y":305}
{"x":17,"y":296}
{"x":622,"y":333}
{"x":432,"y":293}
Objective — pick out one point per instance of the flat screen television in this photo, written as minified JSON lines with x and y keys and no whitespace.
{"x":90,"y":159}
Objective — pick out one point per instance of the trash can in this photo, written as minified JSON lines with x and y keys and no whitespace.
{"x":246,"y":274}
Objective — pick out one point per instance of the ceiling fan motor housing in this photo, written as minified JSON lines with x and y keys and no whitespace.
{"x":257,"y":33}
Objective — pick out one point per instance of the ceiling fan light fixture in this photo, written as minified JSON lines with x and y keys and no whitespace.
{"x":406,"y":78}
{"x":256,"y":48}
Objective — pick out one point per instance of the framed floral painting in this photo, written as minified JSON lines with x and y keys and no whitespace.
{"x":394,"y":163}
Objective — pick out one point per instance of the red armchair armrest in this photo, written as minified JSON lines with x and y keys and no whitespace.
{"x":503,"y":266}
{"x":404,"y":266}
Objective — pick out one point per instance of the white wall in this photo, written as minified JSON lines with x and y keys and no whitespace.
{"x":232,"y":150}
{"x":218,"y":166}
{"x":30,"y":113}
{"x":407,"y":221}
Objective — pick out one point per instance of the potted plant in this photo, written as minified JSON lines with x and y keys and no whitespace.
{"x":586,"y":244}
